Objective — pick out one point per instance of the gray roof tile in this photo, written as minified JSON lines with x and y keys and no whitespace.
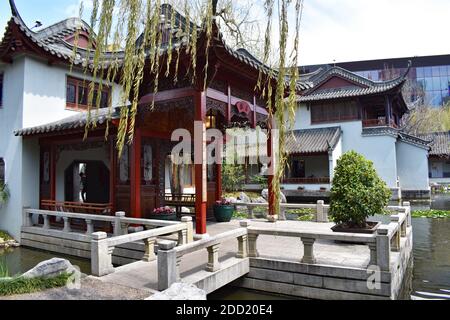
{"x":313,"y":140}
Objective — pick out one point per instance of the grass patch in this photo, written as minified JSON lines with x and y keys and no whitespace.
{"x":434,"y":214}
{"x":303,"y":214}
{"x":19,"y":285}
{"x":5,"y":236}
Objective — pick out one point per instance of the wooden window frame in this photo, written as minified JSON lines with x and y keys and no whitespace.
{"x":3,"y":168}
{"x":334,"y":119}
{"x":85,"y":85}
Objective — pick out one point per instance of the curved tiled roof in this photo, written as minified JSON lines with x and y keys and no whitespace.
{"x":74,"y":122}
{"x":309,"y":141}
{"x":362,"y":87}
{"x":440,"y":145}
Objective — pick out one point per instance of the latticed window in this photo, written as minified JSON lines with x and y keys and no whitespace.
{"x":77,"y":94}
{"x":2,"y":171}
{"x":335,"y":112}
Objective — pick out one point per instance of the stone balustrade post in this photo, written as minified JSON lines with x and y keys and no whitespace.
{"x":383,"y":248}
{"x":67,"y":227}
{"x":407,"y":205}
{"x":167,"y":264}
{"x":321,"y":213}
{"x":190,"y":228}
{"x":101,"y":255}
{"x":213,"y":258}
{"x":89,"y":227}
{"x":149,"y":249}
{"x":403,"y":227}
{"x":27,"y":220}
{"x":46,"y":221}
{"x":117,"y":224}
{"x":308,"y":250}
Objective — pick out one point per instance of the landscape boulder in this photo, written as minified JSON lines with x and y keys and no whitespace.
{"x":51,"y":268}
{"x":244,"y":198}
{"x":180,"y":291}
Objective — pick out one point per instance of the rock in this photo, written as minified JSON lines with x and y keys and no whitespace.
{"x":50,"y":269}
{"x":185,"y":210}
{"x":259,"y":200}
{"x":265,"y":195}
{"x":180,"y":291}
{"x":231,"y":199}
{"x":135,"y":229}
{"x":244,"y":198}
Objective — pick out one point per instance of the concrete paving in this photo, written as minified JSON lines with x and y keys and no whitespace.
{"x":143,"y":275}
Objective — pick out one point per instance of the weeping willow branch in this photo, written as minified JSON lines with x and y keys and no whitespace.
{"x":119,"y":23}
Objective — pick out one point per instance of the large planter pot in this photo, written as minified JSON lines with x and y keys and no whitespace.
{"x":371,"y":229}
{"x":223,"y":213}
{"x":165,"y":217}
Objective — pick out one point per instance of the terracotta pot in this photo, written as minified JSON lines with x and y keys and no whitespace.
{"x":341,"y":228}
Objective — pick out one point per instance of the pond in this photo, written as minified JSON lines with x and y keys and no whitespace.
{"x":430,"y":274}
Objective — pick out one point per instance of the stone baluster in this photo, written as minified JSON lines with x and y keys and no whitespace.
{"x":252,"y":245}
{"x":89,"y":227}
{"x":167,"y":264}
{"x":27,"y":217}
{"x":308,"y":250}
{"x":46,"y":221}
{"x":179,"y":258}
{"x":383,"y":248}
{"x":250,"y":212}
{"x":213,"y":258}
{"x":101,"y":255}
{"x":190,"y":228}
{"x":373,"y":253}
{"x":149,"y":249}
{"x":182,"y":237}
{"x":117,"y":224}
{"x":243,"y":242}
{"x":67,"y":227}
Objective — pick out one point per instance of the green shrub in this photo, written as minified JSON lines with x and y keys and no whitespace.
{"x":357,"y":192}
{"x":233,"y":177}
{"x":4,"y":193}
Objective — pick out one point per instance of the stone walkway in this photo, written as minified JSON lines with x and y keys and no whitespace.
{"x":144,"y":275}
{"x":91,"y":289}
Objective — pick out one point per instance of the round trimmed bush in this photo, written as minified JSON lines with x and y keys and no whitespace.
{"x":357,"y":192}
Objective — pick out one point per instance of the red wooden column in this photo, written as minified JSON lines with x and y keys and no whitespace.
{"x":200,"y":162}
{"x":53,"y":172}
{"x":271,"y":173}
{"x":136,"y":175}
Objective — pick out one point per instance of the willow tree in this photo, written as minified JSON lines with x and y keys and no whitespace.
{"x":119,"y":23}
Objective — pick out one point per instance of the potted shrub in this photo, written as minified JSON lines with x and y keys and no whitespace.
{"x":357,"y":193}
{"x":223,"y":211}
{"x":164,"y":213}
{"x":4,"y":194}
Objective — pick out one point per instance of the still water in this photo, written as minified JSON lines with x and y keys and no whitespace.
{"x":431,"y":271}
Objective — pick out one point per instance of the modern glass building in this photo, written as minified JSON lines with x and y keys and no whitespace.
{"x":429,"y":75}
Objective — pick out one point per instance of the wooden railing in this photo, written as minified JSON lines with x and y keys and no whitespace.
{"x":382,"y":122}
{"x":78,"y":207}
{"x":170,"y":257}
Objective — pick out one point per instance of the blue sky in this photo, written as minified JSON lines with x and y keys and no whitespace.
{"x":340,"y":30}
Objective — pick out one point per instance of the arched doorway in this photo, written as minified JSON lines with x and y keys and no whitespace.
{"x":93,"y":175}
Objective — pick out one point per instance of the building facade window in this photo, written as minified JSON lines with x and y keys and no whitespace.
{"x":1,"y":90}
{"x":2,"y":171}
{"x":77,"y":94}
{"x":344,"y":111}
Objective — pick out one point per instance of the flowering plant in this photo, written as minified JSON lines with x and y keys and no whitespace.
{"x":164,"y":210}
{"x":223,"y":202}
